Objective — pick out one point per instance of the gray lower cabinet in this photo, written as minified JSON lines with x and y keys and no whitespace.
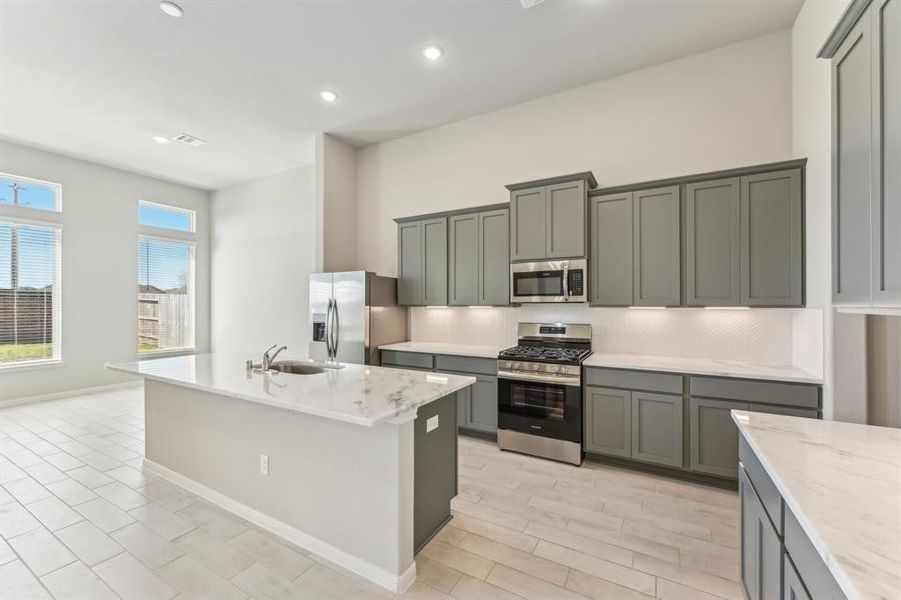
{"x":463,"y":259}
{"x":608,"y":421}
{"x":793,"y":588}
{"x":422,"y":262}
{"x":528,"y":224}
{"x":772,"y":244}
{"x":656,"y":243}
{"x":494,"y":258}
{"x":761,"y":547}
{"x":610,"y":267}
{"x":713,"y":243}
{"x":477,"y":406}
{"x":657,"y":428}
{"x":713,"y":444}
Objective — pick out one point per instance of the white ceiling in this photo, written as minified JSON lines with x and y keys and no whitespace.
{"x":98,"y":79}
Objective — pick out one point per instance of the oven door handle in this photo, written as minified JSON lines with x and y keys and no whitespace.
{"x":573,"y":380}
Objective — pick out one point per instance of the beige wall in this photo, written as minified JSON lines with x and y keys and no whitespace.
{"x":884,"y":370}
{"x":336,"y":191}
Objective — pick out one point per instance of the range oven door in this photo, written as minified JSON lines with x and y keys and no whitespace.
{"x":546,"y":409}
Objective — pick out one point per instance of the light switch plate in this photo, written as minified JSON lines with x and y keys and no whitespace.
{"x":264,"y":464}
{"x":431,"y":424}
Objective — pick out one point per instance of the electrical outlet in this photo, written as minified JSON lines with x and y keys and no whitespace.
{"x":264,"y":464}
{"x":431,"y":424}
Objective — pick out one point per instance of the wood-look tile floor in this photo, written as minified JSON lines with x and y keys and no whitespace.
{"x":79,"y":518}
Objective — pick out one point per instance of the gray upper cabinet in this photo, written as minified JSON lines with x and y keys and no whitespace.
{"x":657,"y":428}
{"x":528,"y":217}
{"x":548,"y":218}
{"x":865,"y":48}
{"x":886,"y":210}
{"x":422,"y":262}
{"x":656,"y":247}
{"x":409,"y":263}
{"x":772,"y":244}
{"x":608,"y":421}
{"x":463,"y":259}
{"x":494,"y":258}
{"x":565,"y":220}
{"x":610,"y":276}
{"x":713,"y":243}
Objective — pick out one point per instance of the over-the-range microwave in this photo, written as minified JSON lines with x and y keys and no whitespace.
{"x":549,"y":281}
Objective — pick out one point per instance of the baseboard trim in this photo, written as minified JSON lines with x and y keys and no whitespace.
{"x":66,"y":394}
{"x":363,"y":568}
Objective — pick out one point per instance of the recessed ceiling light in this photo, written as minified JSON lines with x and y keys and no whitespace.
{"x":171,"y":8}
{"x":432,"y":52}
{"x":159,"y":139}
{"x":328,"y":95}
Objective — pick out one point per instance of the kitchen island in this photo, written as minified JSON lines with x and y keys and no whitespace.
{"x":820,"y":508}
{"x":356,"y":464}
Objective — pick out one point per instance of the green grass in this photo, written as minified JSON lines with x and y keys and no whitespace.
{"x":147,"y":348}
{"x":10,"y":353}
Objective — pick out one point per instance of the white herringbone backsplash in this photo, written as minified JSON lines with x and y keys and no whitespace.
{"x":761,"y":335}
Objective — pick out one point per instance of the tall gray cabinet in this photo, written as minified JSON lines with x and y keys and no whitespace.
{"x":865,"y":48}
{"x":548,"y":217}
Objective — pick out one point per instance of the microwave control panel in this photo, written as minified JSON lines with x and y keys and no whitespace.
{"x":575,"y":282}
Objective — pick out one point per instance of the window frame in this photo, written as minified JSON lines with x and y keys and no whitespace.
{"x":29,"y":216}
{"x":172,"y":236}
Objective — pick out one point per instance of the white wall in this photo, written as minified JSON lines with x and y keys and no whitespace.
{"x":726,"y":108}
{"x":812,"y":137}
{"x":263,"y":251}
{"x":336,"y":191}
{"x":100,"y":267}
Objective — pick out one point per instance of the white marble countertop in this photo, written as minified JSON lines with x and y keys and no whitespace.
{"x":358,"y":394}
{"x":445,"y":348}
{"x":702,"y":366}
{"x":843,"y":483}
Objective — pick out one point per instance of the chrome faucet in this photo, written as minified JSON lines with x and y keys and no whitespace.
{"x":269,"y":359}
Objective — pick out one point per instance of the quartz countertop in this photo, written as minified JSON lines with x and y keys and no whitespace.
{"x":701,"y":366}
{"x":843,"y":483}
{"x":446,"y":348}
{"x":360,"y":394}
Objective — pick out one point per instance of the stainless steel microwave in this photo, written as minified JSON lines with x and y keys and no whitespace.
{"x":550,"y":281}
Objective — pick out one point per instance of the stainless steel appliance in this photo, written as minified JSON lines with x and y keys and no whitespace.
{"x":353,"y":313}
{"x":551,"y":281}
{"x":540,"y":391}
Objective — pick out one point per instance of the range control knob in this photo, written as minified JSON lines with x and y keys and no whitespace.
{"x":553,"y":369}
{"x":534,"y":366}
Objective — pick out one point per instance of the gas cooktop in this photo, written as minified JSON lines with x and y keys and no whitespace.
{"x":553,"y":354}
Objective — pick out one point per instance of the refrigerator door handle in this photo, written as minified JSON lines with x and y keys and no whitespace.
{"x":328,"y":329}
{"x":336,"y":325}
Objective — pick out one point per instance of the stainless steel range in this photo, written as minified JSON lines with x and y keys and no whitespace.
{"x":540,"y":391}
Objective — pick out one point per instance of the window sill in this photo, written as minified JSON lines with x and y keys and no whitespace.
{"x":166,"y":353}
{"x":32,"y":365}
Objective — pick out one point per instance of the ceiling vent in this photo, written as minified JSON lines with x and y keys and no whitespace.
{"x":190,"y":140}
{"x":527,"y":4}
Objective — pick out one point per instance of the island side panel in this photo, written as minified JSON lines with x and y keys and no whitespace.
{"x":341,"y":484}
{"x":435,"y":467}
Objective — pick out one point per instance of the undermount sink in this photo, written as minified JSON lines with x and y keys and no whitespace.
{"x":295,"y":367}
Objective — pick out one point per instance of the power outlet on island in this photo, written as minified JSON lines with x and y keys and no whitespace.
{"x":264,"y":464}
{"x":431,"y":424}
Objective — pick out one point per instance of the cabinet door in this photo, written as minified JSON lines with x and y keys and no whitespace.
{"x":794,"y":588}
{"x":608,"y":421}
{"x":657,"y":428}
{"x":566,"y":220}
{"x":610,"y":280}
{"x":481,"y":413}
{"x":851,"y":169}
{"x":886,"y":205}
{"x":761,"y":548}
{"x":409,"y":263}
{"x":464,"y":398}
{"x":713,"y":243}
{"x":656,"y":247}
{"x":434,"y":260}
{"x":494,"y":258}
{"x":713,"y":442}
{"x":771,"y":240}
{"x":528,"y":230}
{"x":463,"y":260}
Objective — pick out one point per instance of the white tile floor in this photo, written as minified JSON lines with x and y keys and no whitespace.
{"x":80,"y":519}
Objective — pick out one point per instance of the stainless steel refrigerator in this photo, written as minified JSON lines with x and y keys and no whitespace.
{"x":353,"y":313}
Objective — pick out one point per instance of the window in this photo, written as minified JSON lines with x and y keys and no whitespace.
{"x":29,"y":272}
{"x":165,"y":278}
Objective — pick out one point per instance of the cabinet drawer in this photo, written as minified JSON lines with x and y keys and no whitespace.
{"x":414,"y":360}
{"x":466,"y":364}
{"x":763,"y":485}
{"x":811,"y":568}
{"x":790,"y":411}
{"x":634,"y":380}
{"x":761,"y":392}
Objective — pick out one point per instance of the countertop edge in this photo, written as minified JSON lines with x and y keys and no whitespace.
{"x":398,"y":347}
{"x":600,"y":363}
{"x":822,"y":551}
{"x":255,"y":400}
